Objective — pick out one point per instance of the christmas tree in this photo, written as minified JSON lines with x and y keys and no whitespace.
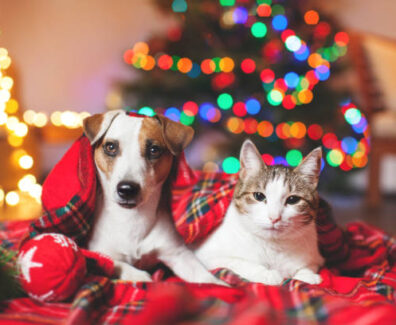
{"x":260,"y":69}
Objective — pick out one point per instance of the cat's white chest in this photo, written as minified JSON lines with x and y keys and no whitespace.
{"x":232,"y":246}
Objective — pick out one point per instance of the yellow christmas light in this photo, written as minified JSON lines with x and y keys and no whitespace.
{"x":14,"y":140}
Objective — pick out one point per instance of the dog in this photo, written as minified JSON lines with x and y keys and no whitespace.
{"x":132,"y":223}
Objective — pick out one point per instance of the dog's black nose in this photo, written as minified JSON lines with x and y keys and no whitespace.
{"x":128,"y":190}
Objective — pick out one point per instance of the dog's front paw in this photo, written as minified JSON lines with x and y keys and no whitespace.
{"x":308,"y":276}
{"x":127,"y":272}
{"x":269,"y":277}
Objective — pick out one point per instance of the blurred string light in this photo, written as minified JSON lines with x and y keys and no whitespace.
{"x":346,"y":153}
{"x":287,"y":91}
{"x":17,"y":129}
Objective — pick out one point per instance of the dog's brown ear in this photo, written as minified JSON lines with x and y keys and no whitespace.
{"x":95,"y":126}
{"x":176,"y":135}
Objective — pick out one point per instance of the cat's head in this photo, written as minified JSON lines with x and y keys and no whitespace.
{"x":277,"y":201}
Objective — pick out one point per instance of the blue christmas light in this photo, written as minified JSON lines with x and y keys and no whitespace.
{"x":361,"y":126}
{"x":322,"y":72}
{"x":179,"y":6}
{"x":302,"y":53}
{"x":207,"y":111}
{"x":292,"y":79}
{"x":349,"y":145}
{"x":279,"y":22}
{"x":278,"y":160}
{"x":195,"y":71}
{"x":240,"y":15}
{"x":173,"y":113}
{"x":253,"y":106}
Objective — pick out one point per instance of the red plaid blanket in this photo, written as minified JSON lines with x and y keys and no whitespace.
{"x":358,"y":287}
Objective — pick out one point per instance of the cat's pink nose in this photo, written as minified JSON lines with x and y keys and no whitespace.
{"x":275,"y":219}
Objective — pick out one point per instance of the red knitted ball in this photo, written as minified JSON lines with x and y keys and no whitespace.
{"x":52,"y":267}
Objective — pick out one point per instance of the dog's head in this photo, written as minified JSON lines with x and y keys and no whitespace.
{"x":134,"y":155}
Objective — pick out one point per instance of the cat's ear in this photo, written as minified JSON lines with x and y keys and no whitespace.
{"x":310,"y":166}
{"x":250,"y":159}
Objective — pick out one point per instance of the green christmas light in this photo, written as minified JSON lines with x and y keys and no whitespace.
{"x":231,"y":165}
{"x":267,"y":2}
{"x":335,"y":157}
{"x":275,"y":97}
{"x":227,"y":3}
{"x":186,"y":119}
{"x":258,"y":29}
{"x":277,"y":10}
{"x":353,"y":116}
{"x":225,"y":101}
{"x":146,"y":110}
{"x":294,"y":157}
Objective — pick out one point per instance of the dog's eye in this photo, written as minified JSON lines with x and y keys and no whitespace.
{"x":110,"y":148}
{"x":154,"y":151}
{"x":293,"y":199}
{"x":259,"y":196}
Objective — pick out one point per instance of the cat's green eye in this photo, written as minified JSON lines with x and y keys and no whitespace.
{"x":259,"y":196}
{"x":293,"y":199}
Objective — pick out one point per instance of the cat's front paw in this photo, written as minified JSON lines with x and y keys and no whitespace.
{"x":308,"y":276}
{"x":127,"y":272}
{"x":269,"y":277}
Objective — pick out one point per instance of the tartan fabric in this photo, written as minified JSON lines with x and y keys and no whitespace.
{"x":69,"y":194}
{"x":365,"y":299}
{"x":359,"y":280}
{"x":199,"y":200}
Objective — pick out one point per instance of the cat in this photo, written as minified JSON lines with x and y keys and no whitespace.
{"x":268,"y":233}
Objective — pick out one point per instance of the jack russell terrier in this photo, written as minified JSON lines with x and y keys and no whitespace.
{"x":133,"y":225}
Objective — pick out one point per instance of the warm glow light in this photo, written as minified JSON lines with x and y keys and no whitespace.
{"x":26,"y":182}
{"x":69,"y":119}
{"x":28,"y":116}
{"x":21,"y":130}
{"x":3,"y":118}
{"x":12,"y":123}
{"x":4,"y":95}
{"x":14,"y":140}
{"x":40,"y":120}
{"x":56,"y":118}
{"x":6,"y":83}
{"x":1,"y":196}
{"x":5,"y":62}
{"x":11,"y":106}
{"x":12,"y":198}
{"x":35,"y":191}
{"x":26,"y":162}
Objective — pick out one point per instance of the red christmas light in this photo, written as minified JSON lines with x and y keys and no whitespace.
{"x":248,"y":66}
{"x":239,"y":109}
{"x":267,"y":76}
